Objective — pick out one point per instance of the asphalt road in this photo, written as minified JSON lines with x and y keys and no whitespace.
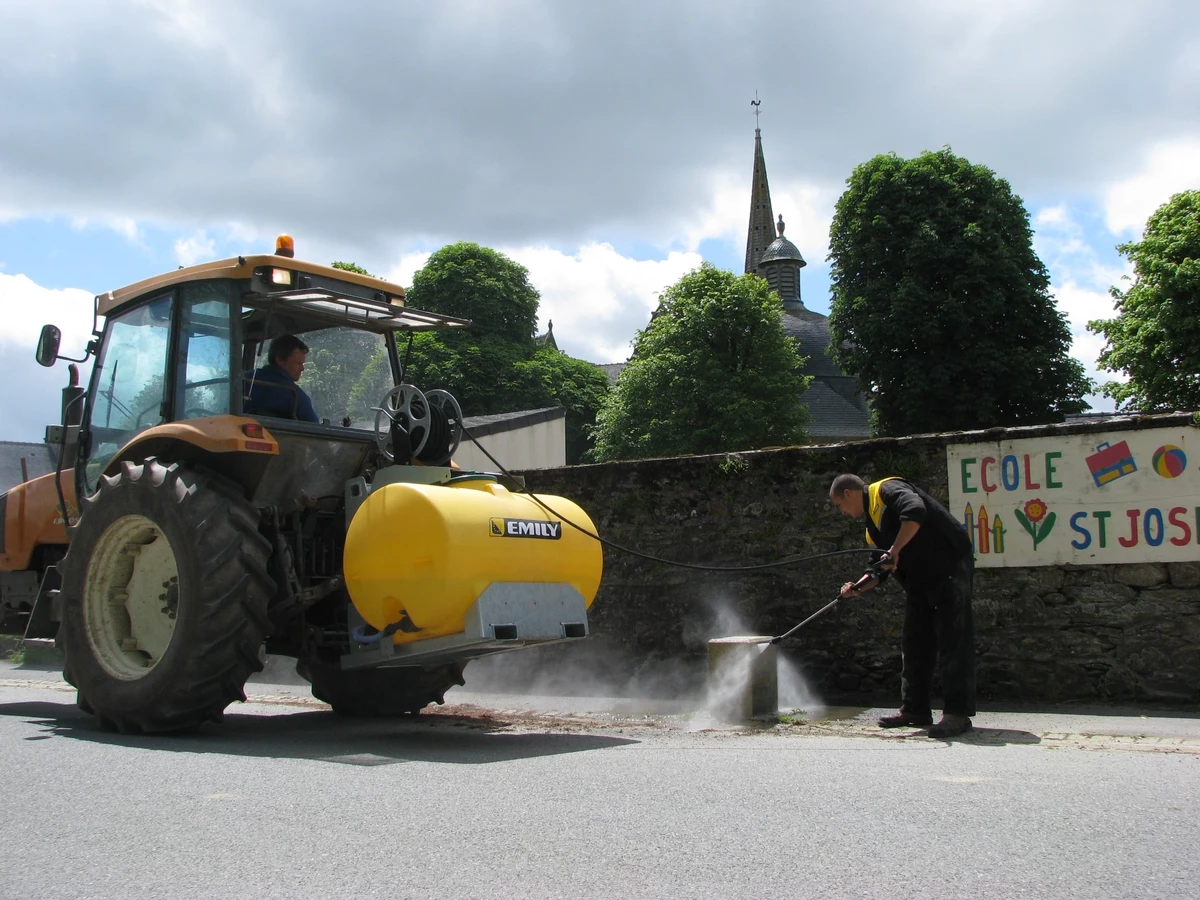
{"x":506,"y":797}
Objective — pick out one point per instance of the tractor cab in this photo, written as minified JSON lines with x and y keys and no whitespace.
{"x":190,"y":351}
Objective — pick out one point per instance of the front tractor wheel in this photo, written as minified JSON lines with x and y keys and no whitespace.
{"x":164,"y":598}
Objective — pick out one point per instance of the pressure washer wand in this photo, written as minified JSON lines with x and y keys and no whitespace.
{"x":788,"y":634}
{"x":875,"y":570}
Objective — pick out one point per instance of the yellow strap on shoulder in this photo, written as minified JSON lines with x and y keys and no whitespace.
{"x":875,"y":504}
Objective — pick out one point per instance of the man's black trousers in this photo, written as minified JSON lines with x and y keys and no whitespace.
{"x":939,"y":630}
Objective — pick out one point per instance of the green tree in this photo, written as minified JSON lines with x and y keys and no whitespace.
{"x":940,"y":305}
{"x":483,"y":372}
{"x":712,"y":372}
{"x":351,"y":267}
{"x":479,"y":284}
{"x":1155,"y":337}
{"x":580,"y":387}
{"x":495,"y":366}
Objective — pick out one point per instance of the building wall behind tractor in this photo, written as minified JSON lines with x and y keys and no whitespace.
{"x":1052,"y":633}
{"x":542,"y":445}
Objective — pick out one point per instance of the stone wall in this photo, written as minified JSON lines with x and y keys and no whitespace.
{"x":1089,"y":633}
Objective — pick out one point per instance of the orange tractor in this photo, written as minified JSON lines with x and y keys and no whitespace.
{"x":219,"y":522}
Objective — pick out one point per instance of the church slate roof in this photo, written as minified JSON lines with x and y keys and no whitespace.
{"x":834,"y":418}
{"x":810,"y":330}
{"x":612,"y":370}
{"x":781,"y":249}
{"x":547,"y":339}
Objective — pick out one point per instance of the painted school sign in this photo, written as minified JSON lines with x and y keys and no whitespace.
{"x":1118,"y":497}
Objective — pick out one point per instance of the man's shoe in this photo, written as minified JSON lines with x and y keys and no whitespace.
{"x":904,"y":719}
{"x":950,"y":726}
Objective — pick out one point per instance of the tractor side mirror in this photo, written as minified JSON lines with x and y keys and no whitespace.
{"x":47,"y":348}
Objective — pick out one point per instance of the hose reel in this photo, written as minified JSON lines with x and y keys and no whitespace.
{"x":412,"y":425}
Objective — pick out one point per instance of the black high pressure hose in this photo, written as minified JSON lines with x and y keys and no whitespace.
{"x":658,"y":559}
{"x":395,"y":626}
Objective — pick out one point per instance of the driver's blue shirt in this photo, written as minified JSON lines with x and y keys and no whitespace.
{"x":267,"y":400}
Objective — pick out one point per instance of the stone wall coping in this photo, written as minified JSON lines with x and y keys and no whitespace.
{"x":1131,"y":422}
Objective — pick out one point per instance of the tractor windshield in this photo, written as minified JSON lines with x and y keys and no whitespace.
{"x":324,"y":354}
{"x":345,"y":373}
{"x":129,"y":380}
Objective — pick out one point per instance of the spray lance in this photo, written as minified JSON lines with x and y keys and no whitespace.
{"x":877,"y":571}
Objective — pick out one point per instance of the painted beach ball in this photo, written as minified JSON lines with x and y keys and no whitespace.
{"x":1169,"y":461}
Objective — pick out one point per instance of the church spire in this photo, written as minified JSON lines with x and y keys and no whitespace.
{"x":762,"y":222}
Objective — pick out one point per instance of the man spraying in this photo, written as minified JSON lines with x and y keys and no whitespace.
{"x":931,"y":555}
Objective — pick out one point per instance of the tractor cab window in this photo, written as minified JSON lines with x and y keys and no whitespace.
{"x":346,"y":370}
{"x":128,"y":380}
{"x":345,"y":374}
{"x":202,"y":382}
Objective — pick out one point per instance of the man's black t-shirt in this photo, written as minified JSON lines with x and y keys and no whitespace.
{"x":938,"y":545}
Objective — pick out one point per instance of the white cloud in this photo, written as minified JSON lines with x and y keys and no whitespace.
{"x":402,"y":272}
{"x":556,"y":123}
{"x":27,"y":409}
{"x":1082,"y":305}
{"x":807,"y":211}
{"x":1051,"y":216}
{"x":598,"y":298}
{"x":806,"y":207}
{"x":1167,"y":168}
{"x":723,"y":216}
{"x":28,"y":306}
{"x":1071,"y":255}
{"x":595,"y":297}
{"x":1079,"y":279}
{"x":195,"y":248}
{"x":244,"y":234}
{"x":125,"y":226}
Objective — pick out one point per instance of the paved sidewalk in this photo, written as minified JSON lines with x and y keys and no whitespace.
{"x":1090,"y":727}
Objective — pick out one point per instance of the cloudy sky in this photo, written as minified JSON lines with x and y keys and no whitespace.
{"x":606,"y":146}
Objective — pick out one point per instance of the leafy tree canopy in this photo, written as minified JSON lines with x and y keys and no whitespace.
{"x":1155,"y":337}
{"x":940,"y":305}
{"x":351,"y":267}
{"x":712,"y":372}
{"x":485,"y":375}
{"x":579,"y":386}
{"x":496,"y":366}
{"x":479,"y":284}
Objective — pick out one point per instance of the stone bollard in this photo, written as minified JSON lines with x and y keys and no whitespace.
{"x":743,"y":678}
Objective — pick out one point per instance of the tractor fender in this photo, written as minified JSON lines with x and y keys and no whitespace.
{"x":30,"y":514}
{"x":30,"y":517}
{"x":219,"y":443}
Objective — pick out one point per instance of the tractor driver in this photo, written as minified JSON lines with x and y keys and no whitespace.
{"x":273,"y":388}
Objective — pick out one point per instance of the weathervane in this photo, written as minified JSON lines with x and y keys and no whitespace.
{"x":756,"y":103}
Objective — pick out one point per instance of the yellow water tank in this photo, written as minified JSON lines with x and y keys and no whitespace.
{"x":429,"y":551}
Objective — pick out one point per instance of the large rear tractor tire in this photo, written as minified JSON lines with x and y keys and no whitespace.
{"x":164,"y":598}
{"x":382,"y":692}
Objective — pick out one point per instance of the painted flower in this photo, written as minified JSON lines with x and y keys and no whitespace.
{"x":1035,"y":510}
